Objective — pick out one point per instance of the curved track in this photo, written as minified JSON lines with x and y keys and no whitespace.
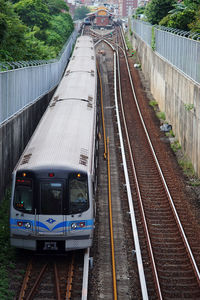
{"x":168,"y":233}
{"x":175,"y":272}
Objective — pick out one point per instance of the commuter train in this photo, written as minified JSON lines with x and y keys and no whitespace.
{"x":52,"y":203}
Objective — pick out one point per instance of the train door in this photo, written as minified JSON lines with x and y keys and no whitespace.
{"x":50,"y":220}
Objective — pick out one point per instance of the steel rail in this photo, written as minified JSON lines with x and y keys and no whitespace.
{"x":69,"y":280}
{"x":130,"y":200}
{"x":111,"y":225}
{"x":140,"y":203}
{"x":150,"y":249}
{"x":30,"y":295}
{"x":177,"y":219}
{"x":25,"y":281}
{"x":57,"y":282}
{"x":129,"y":194}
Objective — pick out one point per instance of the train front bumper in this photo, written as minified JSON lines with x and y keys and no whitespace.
{"x":51,"y":243}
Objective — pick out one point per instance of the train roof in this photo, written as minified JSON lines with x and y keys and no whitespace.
{"x":65,"y":135}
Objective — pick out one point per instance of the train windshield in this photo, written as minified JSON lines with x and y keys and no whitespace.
{"x":23,"y":199}
{"x":78,"y":193}
{"x":51,"y":198}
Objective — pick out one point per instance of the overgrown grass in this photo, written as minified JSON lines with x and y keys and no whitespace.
{"x":187,"y":167}
{"x":153,"y":103}
{"x":170,"y":134}
{"x":175,"y":146}
{"x":128,"y":43}
{"x":161,"y":115}
{"x":7,"y":254}
{"x":153,"y":39}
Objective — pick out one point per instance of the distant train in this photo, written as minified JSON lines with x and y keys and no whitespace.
{"x":52,"y":203}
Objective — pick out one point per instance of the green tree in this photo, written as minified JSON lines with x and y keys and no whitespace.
{"x":182,"y":15}
{"x":179,"y":20}
{"x":12,"y":33}
{"x":56,"y":6}
{"x":139,"y":11}
{"x":60,"y":29}
{"x":192,"y":4}
{"x":33,"y":13}
{"x":37,"y":49}
{"x":33,"y":30}
{"x":156,"y":10}
{"x":81,"y":12}
{"x":195,"y":25}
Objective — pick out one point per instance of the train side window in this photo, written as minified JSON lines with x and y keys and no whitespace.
{"x":23,"y":199}
{"x":51,"y":198}
{"x":78,"y":193}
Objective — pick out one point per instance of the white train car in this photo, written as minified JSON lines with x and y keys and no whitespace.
{"x":52,"y":205}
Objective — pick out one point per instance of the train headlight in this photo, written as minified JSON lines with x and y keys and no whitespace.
{"x":27,"y":225}
{"x":73,"y":226}
{"x":82,"y":224}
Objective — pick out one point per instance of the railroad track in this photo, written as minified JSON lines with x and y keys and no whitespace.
{"x":56,"y":277}
{"x":111,"y":241}
{"x":168,"y":233}
{"x":172,"y":246}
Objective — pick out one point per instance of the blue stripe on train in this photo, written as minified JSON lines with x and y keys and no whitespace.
{"x":67,"y":224}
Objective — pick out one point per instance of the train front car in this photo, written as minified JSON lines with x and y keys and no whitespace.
{"x":52,"y":205}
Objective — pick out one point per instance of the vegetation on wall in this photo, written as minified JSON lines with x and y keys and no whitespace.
{"x":33,"y":29}
{"x":153,"y":39}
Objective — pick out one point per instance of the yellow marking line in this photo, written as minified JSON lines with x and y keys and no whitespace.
{"x":111,"y":225}
{"x":102,"y":113}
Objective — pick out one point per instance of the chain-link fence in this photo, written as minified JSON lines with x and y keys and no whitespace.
{"x":28,"y":81}
{"x":180,"y":48}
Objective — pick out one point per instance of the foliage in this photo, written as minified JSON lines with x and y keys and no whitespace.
{"x":128,"y":43}
{"x":193,"y":4}
{"x":33,"y":29}
{"x":33,"y":13}
{"x":195,"y":25}
{"x":81,"y":12}
{"x":153,"y":103}
{"x":183,"y":16}
{"x":12,"y":33}
{"x":175,"y":146}
{"x":187,"y":167}
{"x":37,"y":49}
{"x":60,"y":29}
{"x":158,"y":9}
{"x":55,"y":6}
{"x":179,"y":20}
{"x":161,"y":115}
{"x":139,"y":11}
{"x":178,"y":7}
{"x":7,"y":253}
{"x":153,"y":39}
{"x":189,"y":107}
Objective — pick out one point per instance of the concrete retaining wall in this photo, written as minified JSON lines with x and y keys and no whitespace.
{"x":15,"y":134}
{"x":174,"y":92}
